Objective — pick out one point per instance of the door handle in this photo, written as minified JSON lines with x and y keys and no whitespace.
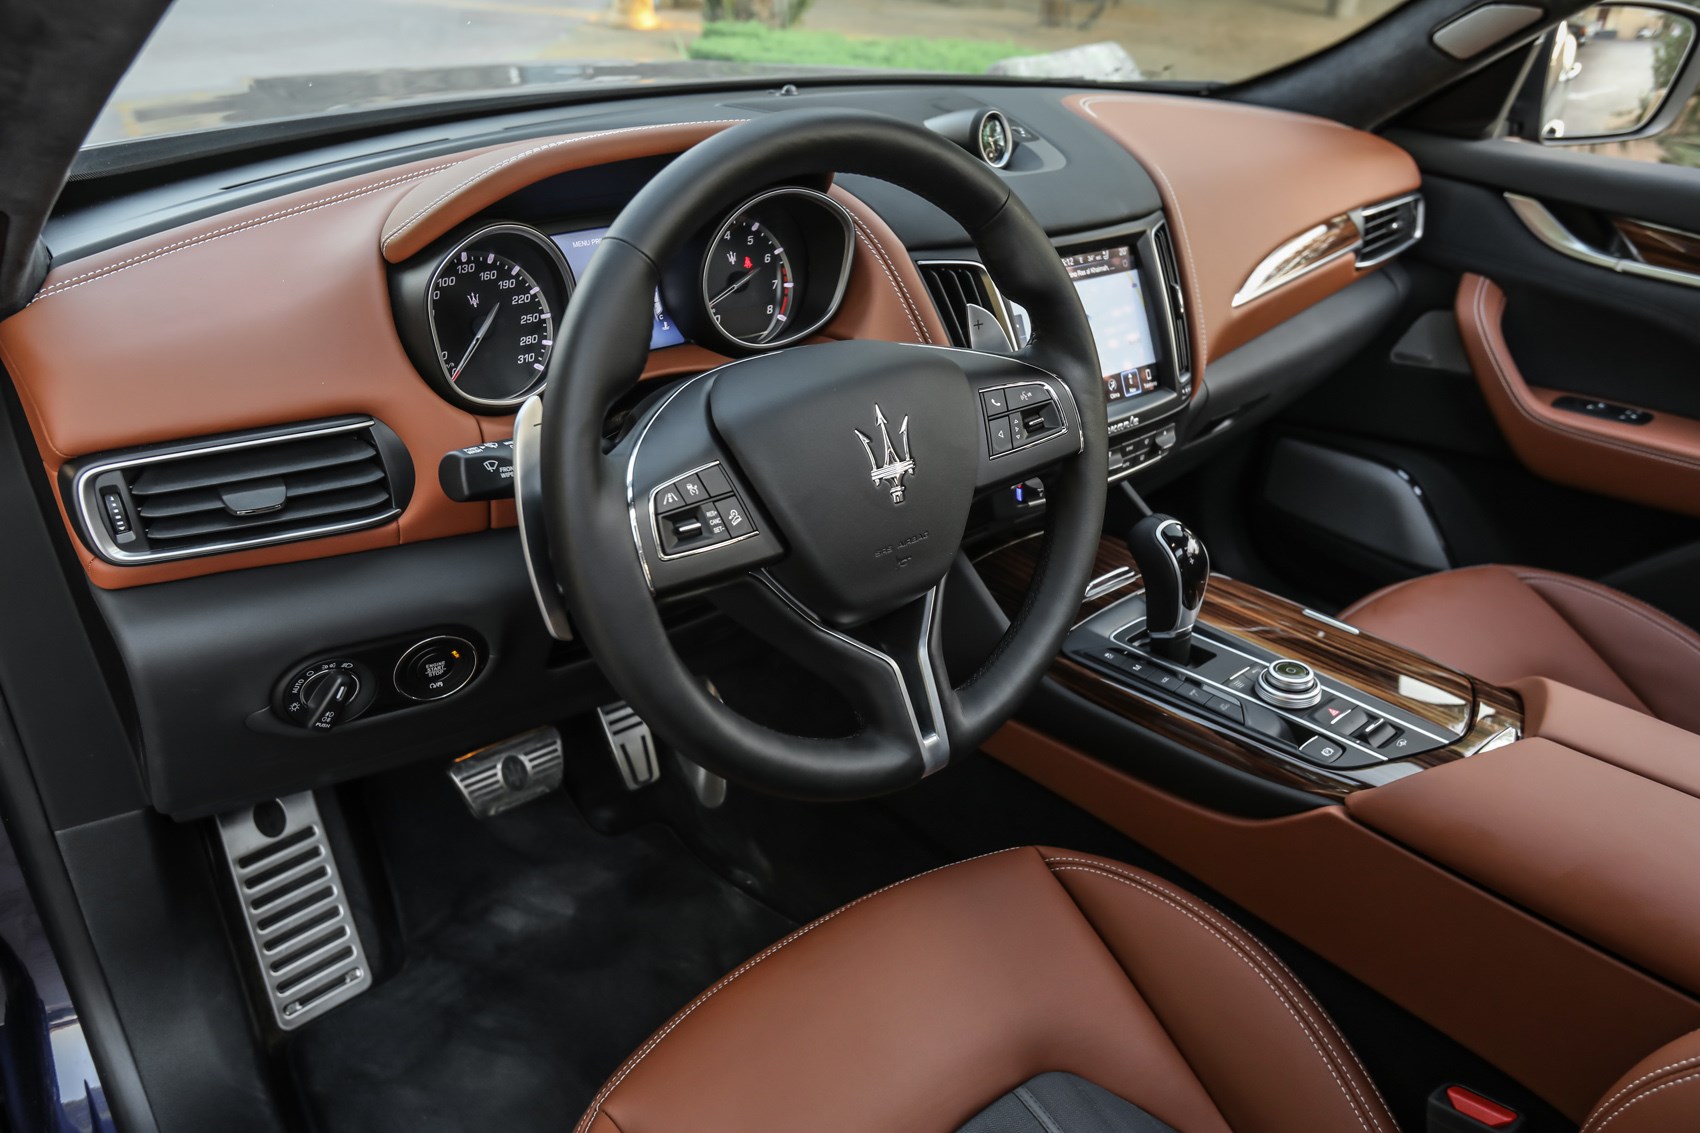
{"x":1551,"y":231}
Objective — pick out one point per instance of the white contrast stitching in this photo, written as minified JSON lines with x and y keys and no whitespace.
{"x":229,"y":230}
{"x":1357,"y":1104}
{"x":1605,"y":594}
{"x":1260,"y":954}
{"x":1179,"y":225}
{"x":1639,"y":1098}
{"x":631,"y":1063}
{"x":575,"y":139}
{"x":911,"y":310}
{"x":1647,"y":1077}
{"x":1480,"y":312}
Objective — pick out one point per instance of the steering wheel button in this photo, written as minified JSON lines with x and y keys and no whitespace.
{"x":996,"y":402}
{"x":692,"y":490}
{"x":1022,"y":396}
{"x":1000,"y":442}
{"x":669,"y":499}
{"x":736,"y":515}
{"x":1017,"y":431}
{"x":714,"y":481}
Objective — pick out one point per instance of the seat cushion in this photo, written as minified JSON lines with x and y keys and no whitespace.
{"x":1508,"y":623}
{"x":921,"y":1005}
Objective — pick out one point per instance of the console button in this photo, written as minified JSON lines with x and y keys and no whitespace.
{"x":1322,"y":749}
{"x":1350,"y":722}
{"x":999,"y":435}
{"x":1196,"y":693}
{"x":1333,"y":712}
{"x":714,"y":481}
{"x":1226,"y":707}
{"x":435,"y":668}
{"x":1378,"y":736}
{"x":996,"y":402}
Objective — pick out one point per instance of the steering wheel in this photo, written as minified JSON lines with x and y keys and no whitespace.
{"x":838,"y":476}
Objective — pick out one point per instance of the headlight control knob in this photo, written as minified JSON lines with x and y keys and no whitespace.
{"x":326,"y":693}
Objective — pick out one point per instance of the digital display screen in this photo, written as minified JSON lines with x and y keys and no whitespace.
{"x":1110,"y":289}
{"x":578,"y":248}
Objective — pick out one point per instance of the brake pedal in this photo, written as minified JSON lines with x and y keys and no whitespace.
{"x":631,"y":743}
{"x":295,"y":908}
{"x":508,"y":774}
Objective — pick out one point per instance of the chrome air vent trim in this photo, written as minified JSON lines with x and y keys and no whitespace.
{"x":381,"y":488}
{"x":1384,"y":230}
{"x":1375,"y":233}
{"x":949,"y":283}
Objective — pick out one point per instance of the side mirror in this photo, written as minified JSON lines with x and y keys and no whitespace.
{"x":1611,"y":72}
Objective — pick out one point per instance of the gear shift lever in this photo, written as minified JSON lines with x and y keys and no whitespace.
{"x":1176,"y":569}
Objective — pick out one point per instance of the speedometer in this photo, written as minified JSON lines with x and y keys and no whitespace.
{"x":747,"y":281}
{"x":486,"y":324}
{"x":494,"y":327}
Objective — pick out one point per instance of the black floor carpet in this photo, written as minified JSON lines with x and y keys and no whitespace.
{"x":538,"y":954}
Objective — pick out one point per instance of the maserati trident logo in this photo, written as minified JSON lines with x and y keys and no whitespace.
{"x":889,"y":468}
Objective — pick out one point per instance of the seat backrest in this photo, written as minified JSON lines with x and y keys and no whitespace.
{"x":1659,"y":1094}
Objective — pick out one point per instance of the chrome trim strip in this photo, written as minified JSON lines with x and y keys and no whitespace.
{"x":1549,"y":230}
{"x":1277,"y":269}
{"x":528,"y":501}
{"x":934,"y":748}
{"x":88,"y":512}
{"x":1328,"y":621}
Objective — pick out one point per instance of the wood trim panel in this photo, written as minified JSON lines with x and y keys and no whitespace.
{"x":1560,"y":1016}
{"x":1660,"y":246}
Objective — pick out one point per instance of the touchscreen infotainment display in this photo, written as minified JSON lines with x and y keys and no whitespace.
{"x":1110,"y":289}
{"x":578,"y":247}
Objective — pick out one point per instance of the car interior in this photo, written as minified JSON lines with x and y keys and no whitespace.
{"x":873,"y":601}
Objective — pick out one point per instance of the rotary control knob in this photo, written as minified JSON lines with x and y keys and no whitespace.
{"x":1290,"y":684}
{"x":325,"y":694}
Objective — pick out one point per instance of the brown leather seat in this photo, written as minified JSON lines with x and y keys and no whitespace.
{"x":917,"y":1007}
{"x":926,"y":1006}
{"x":1506,"y":623}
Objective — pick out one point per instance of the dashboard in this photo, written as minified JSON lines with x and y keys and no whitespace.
{"x":288,"y":452}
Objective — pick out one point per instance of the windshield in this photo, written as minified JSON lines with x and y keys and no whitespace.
{"x":214,"y":63}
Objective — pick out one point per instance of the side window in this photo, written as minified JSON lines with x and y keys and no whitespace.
{"x":1618,"y":79}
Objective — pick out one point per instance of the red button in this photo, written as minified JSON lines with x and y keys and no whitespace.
{"x":1489,"y":1113}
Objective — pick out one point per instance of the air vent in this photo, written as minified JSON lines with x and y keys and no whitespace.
{"x":954,"y":284}
{"x":1176,"y":294}
{"x":293,"y":903}
{"x":242,"y":490}
{"x":1389,"y":229}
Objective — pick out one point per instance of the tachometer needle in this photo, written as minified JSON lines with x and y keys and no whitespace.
{"x":739,"y":282}
{"x":476,"y":339}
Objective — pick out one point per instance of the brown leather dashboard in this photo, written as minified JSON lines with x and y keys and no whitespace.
{"x":279,"y":312}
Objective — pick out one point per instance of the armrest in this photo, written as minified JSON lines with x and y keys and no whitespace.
{"x":1589,"y":844}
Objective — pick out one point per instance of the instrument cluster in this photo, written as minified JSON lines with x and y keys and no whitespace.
{"x":478,"y":312}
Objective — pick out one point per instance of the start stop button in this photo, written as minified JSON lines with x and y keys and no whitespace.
{"x":435,"y":668}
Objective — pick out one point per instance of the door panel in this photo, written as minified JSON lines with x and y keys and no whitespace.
{"x":1506,"y":474}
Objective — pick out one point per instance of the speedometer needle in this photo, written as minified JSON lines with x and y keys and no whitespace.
{"x":476,"y":339}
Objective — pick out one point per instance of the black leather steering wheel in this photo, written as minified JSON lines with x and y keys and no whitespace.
{"x":853,"y":463}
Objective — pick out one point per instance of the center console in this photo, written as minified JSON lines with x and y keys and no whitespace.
{"x":1252,"y":680}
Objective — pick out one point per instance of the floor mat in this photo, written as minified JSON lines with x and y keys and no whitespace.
{"x":538,"y":954}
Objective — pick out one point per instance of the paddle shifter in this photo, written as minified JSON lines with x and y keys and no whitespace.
{"x":1176,"y":569}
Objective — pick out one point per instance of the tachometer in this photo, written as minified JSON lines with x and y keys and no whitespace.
{"x":771,"y":273}
{"x":747,"y":281}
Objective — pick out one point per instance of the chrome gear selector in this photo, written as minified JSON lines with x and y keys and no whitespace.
{"x":1176,"y":570}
